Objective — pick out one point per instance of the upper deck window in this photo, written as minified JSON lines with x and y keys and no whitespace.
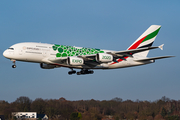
{"x":42,"y":46}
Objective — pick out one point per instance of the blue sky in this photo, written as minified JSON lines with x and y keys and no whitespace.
{"x":104,"y":24}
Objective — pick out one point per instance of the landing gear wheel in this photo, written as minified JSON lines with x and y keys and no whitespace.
{"x":91,"y":72}
{"x":71,"y":72}
{"x":13,"y":66}
{"x":86,"y":71}
{"x":78,"y":73}
{"x":14,"y":62}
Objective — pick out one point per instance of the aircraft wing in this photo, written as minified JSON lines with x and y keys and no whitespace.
{"x":130,"y":52}
{"x":153,"y":58}
{"x":119,"y":54}
{"x":61,"y":60}
{"x":89,"y":60}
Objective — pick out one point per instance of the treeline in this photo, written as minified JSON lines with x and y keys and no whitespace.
{"x":62,"y":109}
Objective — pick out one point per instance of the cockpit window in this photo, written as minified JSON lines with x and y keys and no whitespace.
{"x":11,"y":48}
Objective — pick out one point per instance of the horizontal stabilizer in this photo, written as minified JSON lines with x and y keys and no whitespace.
{"x":154,"y":58}
{"x":161,"y":46}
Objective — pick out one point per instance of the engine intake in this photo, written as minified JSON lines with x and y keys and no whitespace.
{"x":75,"y":61}
{"x":102,"y":57}
{"x":47,"y":66}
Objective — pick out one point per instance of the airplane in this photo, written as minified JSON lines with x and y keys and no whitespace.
{"x":86,"y":59}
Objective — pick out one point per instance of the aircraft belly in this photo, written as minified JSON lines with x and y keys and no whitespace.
{"x":124,"y":64}
{"x":29,"y":58}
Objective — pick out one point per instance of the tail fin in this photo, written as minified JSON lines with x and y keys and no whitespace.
{"x":146,"y":39}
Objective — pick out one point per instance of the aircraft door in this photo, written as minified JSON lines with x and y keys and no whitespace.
{"x":45,"y":53}
{"x":20,"y":52}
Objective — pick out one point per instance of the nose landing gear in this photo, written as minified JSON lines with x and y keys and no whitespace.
{"x":13,"y":66}
{"x":14,"y":62}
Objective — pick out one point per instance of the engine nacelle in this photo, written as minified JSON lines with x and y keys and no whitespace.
{"x":102,"y":57}
{"x":75,"y":61}
{"x":47,"y":66}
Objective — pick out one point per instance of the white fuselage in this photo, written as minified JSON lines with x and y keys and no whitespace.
{"x":41,"y":53}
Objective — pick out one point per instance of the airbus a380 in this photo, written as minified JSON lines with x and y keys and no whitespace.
{"x":53,"y":56}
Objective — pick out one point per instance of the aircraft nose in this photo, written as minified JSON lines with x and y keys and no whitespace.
{"x":5,"y":53}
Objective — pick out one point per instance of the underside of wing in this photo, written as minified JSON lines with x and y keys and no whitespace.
{"x":61,"y":60}
{"x":88,"y":61}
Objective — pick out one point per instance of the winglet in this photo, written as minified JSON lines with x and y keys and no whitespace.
{"x":161,"y":46}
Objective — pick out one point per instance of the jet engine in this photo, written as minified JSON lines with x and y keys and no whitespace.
{"x":47,"y":66}
{"x":102,"y":57}
{"x":75,"y":61}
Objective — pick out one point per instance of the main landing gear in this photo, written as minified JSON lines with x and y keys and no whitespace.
{"x":14,"y":62}
{"x":82,"y":72}
{"x":71,"y":72}
{"x":86,"y":71}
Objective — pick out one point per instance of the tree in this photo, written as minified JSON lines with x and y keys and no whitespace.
{"x":65,"y":109}
{"x":5,"y":109}
{"x":38,"y":105}
{"x":138,"y":109}
{"x":75,"y":116}
{"x":122,"y":115}
{"x":173,"y":117}
{"x":23,"y":104}
{"x":165,"y":99}
{"x":163,"y":112}
{"x":39,"y":118}
{"x":79,"y":116}
{"x":153,"y":115}
{"x":14,"y":118}
{"x":117,"y":99}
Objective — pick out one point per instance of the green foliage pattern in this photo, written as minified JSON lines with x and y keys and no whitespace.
{"x":65,"y":51}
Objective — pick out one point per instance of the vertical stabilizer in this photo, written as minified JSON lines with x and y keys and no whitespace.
{"x":146,"y":40}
